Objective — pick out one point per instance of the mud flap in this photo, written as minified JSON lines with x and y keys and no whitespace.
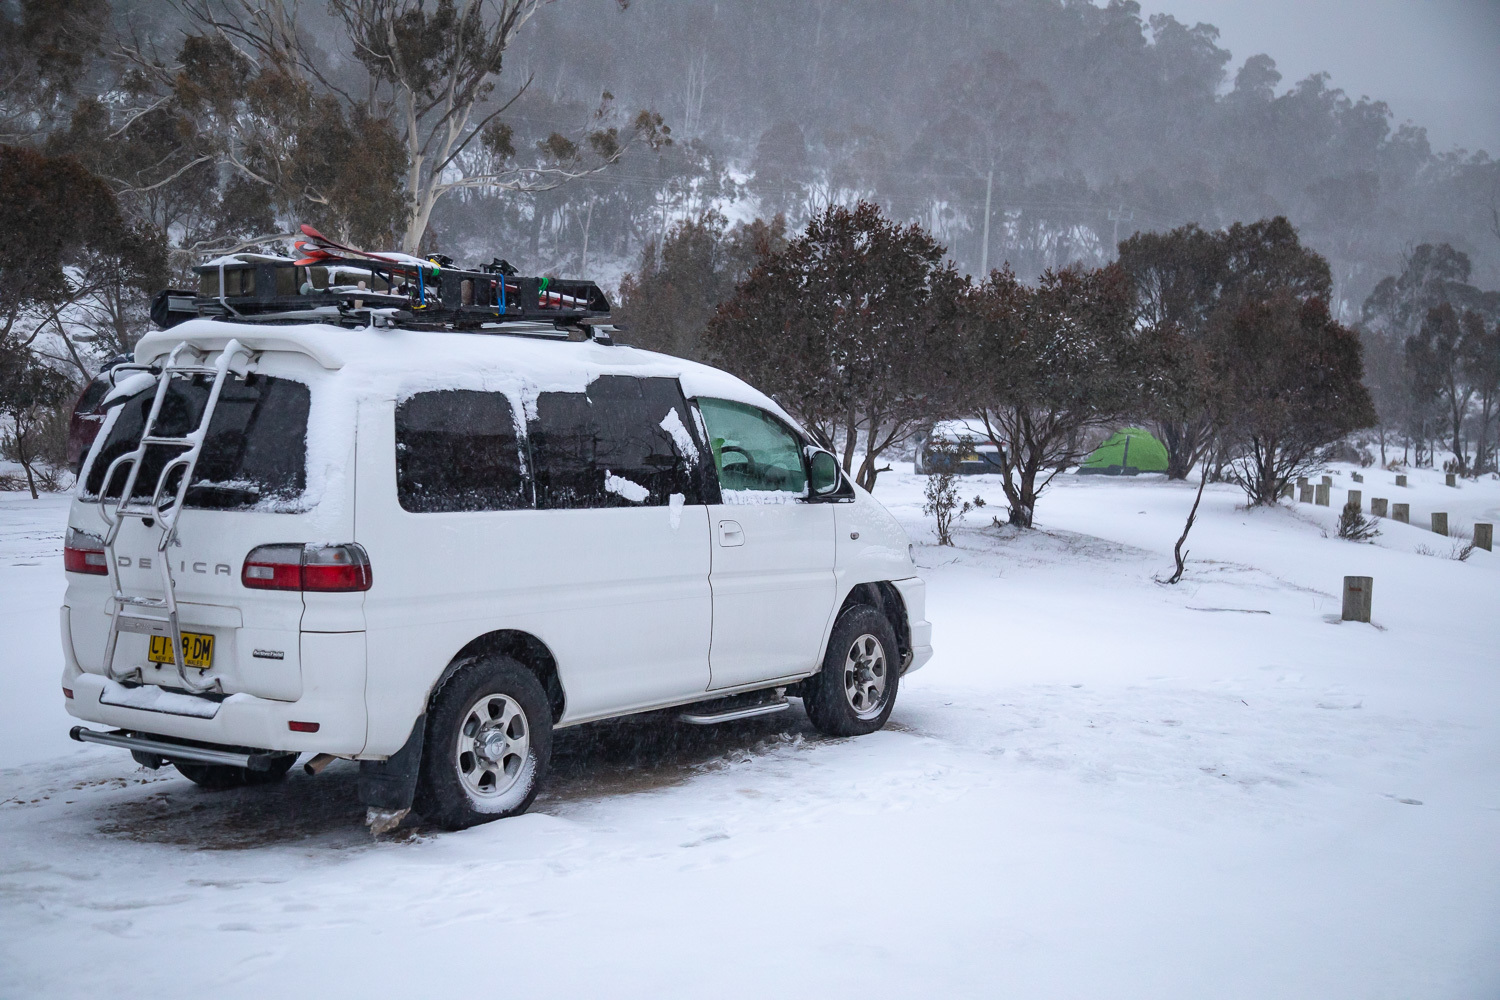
{"x":390,"y":784}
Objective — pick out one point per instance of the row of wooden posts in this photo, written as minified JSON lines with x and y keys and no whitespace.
{"x":1317,"y":493}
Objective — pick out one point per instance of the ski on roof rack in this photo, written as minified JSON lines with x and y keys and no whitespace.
{"x":332,"y":283}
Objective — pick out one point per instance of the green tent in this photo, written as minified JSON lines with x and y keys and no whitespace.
{"x":1128,"y":452}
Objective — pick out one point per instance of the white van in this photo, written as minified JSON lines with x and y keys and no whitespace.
{"x":426,"y":550}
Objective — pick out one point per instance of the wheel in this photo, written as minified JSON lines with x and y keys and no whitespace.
{"x":854,"y":692}
{"x":218,"y":777}
{"x":487,"y":747}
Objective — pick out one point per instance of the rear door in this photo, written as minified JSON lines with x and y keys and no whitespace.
{"x":773,"y":553}
{"x":251,"y":487}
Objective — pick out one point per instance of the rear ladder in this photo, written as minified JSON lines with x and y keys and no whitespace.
{"x":158,"y":615}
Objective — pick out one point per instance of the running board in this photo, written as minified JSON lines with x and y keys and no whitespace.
{"x":733,"y":713}
{"x":254,"y":761}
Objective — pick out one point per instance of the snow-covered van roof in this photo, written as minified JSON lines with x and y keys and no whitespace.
{"x":954,"y":431}
{"x":396,"y":363}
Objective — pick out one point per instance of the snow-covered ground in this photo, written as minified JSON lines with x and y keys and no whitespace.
{"x":1100,"y":787}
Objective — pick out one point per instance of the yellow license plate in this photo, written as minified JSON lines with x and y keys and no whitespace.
{"x":197,"y":650}
{"x":971,"y":457}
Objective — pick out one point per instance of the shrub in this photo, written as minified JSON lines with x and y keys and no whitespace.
{"x":1355,"y":525}
{"x":945,"y":505}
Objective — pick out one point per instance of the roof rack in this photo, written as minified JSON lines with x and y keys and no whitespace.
{"x":336,"y":284}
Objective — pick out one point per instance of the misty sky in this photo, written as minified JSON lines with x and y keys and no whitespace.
{"x":1435,"y":62}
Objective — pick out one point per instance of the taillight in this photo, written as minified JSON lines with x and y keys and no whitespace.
{"x":322,"y":568}
{"x":84,"y":553}
{"x":273,"y":567}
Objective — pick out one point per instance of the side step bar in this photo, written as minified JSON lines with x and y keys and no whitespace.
{"x":706,"y":716}
{"x":256,"y":760}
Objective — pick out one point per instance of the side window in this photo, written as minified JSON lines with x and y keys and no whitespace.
{"x":624,"y":442}
{"x":758,"y":458}
{"x":562,"y":452}
{"x":457,"y":449}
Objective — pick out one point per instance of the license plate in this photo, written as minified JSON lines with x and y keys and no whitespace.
{"x":971,"y":457}
{"x":197,"y":650}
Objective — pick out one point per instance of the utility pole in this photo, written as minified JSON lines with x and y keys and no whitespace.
{"x":984,"y":253}
{"x":1117,"y":216}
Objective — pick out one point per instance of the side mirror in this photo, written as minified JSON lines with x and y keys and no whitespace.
{"x":823,"y":474}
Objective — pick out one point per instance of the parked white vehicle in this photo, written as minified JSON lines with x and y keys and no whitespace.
{"x":428,"y":550}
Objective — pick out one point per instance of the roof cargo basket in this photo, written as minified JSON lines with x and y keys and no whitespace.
{"x":331,"y":283}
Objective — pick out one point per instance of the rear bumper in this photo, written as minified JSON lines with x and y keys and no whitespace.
{"x":913,"y":593}
{"x":164,"y":750}
{"x":333,"y":696}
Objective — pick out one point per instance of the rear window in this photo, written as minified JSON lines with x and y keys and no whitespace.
{"x":93,"y":394}
{"x":458,"y":449}
{"x":625,"y":442}
{"x":254,"y":456}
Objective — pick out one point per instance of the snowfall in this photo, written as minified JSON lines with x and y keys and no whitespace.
{"x":1101,"y":786}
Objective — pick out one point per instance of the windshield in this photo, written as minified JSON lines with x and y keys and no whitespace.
{"x":254,"y":457}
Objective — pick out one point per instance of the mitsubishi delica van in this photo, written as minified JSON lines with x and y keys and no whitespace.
{"x":423,"y":530}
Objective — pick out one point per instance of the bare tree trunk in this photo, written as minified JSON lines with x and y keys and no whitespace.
{"x":851,"y":439}
{"x":24,"y":456}
{"x":1022,"y":494}
{"x":1183,"y":442}
{"x":1177,"y":553}
{"x":587,"y":223}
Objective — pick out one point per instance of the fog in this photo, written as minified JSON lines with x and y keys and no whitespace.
{"x":1093,"y":122}
{"x":1436,"y":63}
{"x":1078,"y":123}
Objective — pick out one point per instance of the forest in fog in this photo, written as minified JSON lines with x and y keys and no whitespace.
{"x":665,"y":147}
{"x":1084,"y":113}
{"x":1082,"y":123}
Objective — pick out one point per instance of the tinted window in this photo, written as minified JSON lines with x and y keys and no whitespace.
{"x":753,"y":452}
{"x":458,"y":450}
{"x":625,"y":442}
{"x":93,"y":394}
{"x":255,"y":453}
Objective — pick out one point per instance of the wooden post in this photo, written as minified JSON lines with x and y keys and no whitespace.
{"x":1379,"y":506}
{"x":1357,"y":499}
{"x":1400,"y":480}
{"x":1439,"y":523}
{"x":1322,"y":495}
{"x":1306,"y":495}
{"x":1452,"y":479}
{"x":1357,"y":592}
{"x":1401,"y":512}
{"x":1484,"y":537}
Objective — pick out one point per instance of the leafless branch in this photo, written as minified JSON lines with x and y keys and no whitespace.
{"x":206,"y":158}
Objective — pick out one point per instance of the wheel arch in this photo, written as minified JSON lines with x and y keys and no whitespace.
{"x":886,"y":599}
{"x":523,"y":647}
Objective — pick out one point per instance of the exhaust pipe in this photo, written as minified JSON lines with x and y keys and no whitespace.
{"x":316,"y":765}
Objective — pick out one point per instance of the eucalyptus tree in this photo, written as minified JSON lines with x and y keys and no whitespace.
{"x":850,"y":327}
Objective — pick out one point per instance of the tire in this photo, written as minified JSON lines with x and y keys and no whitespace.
{"x":856,"y":689}
{"x":219,"y":777}
{"x":488,"y":745}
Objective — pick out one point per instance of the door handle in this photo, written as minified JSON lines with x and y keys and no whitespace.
{"x":731,"y":534}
